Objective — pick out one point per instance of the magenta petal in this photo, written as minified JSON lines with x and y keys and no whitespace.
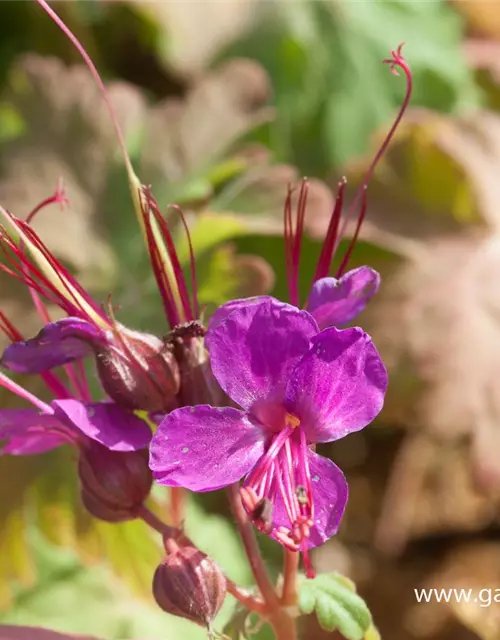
{"x":106,"y":423}
{"x":339,"y":386}
{"x":56,"y":344}
{"x":337,"y":302}
{"x":330,"y":493}
{"x":204,"y":448}
{"x":254,"y":350}
{"x":222,"y":312}
{"x":26,"y":432}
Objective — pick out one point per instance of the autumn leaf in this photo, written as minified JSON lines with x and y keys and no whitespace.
{"x":436,"y":320}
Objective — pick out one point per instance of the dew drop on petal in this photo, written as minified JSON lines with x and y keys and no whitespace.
{"x":315,"y":478}
{"x":185,"y":449}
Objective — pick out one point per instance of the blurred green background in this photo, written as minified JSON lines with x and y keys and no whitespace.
{"x":223,"y":103}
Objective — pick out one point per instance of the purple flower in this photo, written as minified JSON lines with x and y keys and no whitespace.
{"x":71,"y":418}
{"x":332,"y":302}
{"x":135,"y":369}
{"x":296,"y":387}
{"x":67,"y":421}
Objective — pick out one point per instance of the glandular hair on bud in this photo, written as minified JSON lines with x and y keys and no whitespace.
{"x":138,"y":372}
{"x":114,"y":484}
{"x":190,"y":585}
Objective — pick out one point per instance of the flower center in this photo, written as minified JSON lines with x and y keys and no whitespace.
{"x":278,"y":494}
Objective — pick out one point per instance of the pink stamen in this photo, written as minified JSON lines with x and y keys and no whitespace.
{"x":194,"y":283}
{"x":304,"y":470}
{"x":293,"y":238}
{"x":19,"y":391}
{"x":28,"y":273}
{"x":337,"y":229}
{"x":268,"y":458}
{"x":327,"y":250}
{"x":161,"y":275}
{"x":284,"y":471}
{"x":9,"y":329}
{"x":354,"y":239}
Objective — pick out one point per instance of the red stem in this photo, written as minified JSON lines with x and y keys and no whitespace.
{"x":252,"y":550}
{"x":290,"y":570}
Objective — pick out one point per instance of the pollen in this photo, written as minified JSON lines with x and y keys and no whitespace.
{"x":291,"y":421}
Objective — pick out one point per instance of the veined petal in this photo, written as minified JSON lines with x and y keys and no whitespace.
{"x":330,"y":492}
{"x":204,"y":448}
{"x":337,"y":302}
{"x":339,"y":385}
{"x":223,"y":311}
{"x":106,"y":423}
{"x":56,"y":344}
{"x":26,"y":432}
{"x":254,"y":350}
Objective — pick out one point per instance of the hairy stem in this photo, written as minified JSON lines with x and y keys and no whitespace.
{"x":152,"y":520}
{"x":177,"y":505}
{"x":290,"y":570}
{"x":252,"y":550}
{"x":284,"y":625}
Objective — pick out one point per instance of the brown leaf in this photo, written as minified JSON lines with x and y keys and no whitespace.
{"x":182,"y":23}
{"x":186,"y":135}
{"x":473,"y":566}
{"x":255,"y":275}
{"x":483,"y":16}
{"x":437,"y":319}
{"x":68,"y":134}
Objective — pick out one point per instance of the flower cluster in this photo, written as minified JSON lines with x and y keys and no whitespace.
{"x":247,"y":398}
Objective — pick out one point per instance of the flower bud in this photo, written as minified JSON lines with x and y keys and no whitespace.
{"x":190,"y":585}
{"x":197,"y":382}
{"x":138,"y":372}
{"x":114,"y":484}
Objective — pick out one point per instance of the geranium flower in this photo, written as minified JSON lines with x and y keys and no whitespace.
{"x":135,"y":368}
{"x":72,"y":417}
{"x":45,"y":426}
{"x":333,"y":301}
{"x":295,"y":387}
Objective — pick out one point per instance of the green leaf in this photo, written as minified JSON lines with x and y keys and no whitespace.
{"x":70,"y":598}
{"x":372,"y":634}
{"x":336,"y":605}
{"x":332,"y":90}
